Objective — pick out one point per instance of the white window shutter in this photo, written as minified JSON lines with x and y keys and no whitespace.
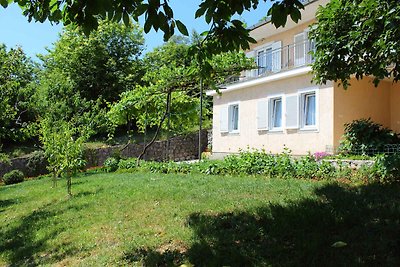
{"x":299,"y":49}
{"x":276,"y":56}
{"x":292,"y":111}
{"x":262,"y":115}
{"x":223,"y":119}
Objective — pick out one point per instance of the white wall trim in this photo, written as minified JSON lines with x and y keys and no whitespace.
{"x":302,"y":92}
{"x":267,"y":79}
{"x":270,"y":112}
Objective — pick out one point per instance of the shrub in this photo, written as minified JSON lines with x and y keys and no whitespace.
{"x":111,"y":164}
{"x":249,"y":162}
{"x":325,"y":170}
{"x":37,"y":163}
{"x":306,"y":167}
{"x":127,"y":164}
{"x":4,"y":158}
{"x":386,"y":168}
{"x":13,"y":177}
{"x":365,"y":137}
{"x":211,"y":167}
{"x":284,"y":165}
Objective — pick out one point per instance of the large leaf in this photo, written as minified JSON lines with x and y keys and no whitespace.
{"x":182,"y":28}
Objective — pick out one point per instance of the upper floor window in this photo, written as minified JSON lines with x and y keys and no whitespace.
{"x":302,"y":48}
{"x":264,"y":60}
{"x":268,"y":58}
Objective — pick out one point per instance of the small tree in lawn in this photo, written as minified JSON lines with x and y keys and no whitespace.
{"x":63,"y":146}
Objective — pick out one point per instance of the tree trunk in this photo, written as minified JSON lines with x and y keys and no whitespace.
{"x":54,"y":179}
{"x":69,"y":182}
{"x":158,"y":129}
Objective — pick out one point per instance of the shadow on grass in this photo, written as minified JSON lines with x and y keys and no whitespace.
{"x":27,"y":243}
{"x":4,"y":204}
{"x":300,"y":233}
{"x":89,"y":193}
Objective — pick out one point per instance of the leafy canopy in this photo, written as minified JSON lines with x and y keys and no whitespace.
{"x":103,"y":64}
{"x":170,"y":70}
{"x":229,"y":34}
{"x":357,"y":37}
{"x":83,"y":74}
{"x":17,"y":72}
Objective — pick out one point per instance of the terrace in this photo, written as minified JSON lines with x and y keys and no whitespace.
{"x":272,"y":61}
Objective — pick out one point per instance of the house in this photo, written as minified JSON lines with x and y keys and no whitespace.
{"x":277,"y":105}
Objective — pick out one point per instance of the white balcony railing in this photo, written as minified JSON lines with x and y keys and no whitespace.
{"x":273,"y":61}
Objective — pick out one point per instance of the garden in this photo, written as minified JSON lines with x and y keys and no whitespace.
{"x":155,"y":219}
{"x":250,"y":209}
{"x":95,"y":88}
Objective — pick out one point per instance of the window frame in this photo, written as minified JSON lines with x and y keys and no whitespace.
{"x":230,"y":118}
{"x":300,"y":48}
{"x":303,"y":94}
{"x":271,"y":112}
{"x":263,"y":49}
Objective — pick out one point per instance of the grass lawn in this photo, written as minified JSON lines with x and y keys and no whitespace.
{"x":167,"y":220}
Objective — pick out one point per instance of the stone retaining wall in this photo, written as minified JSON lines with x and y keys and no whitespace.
{"x":177,"y":149}
{"x":353,"y":164}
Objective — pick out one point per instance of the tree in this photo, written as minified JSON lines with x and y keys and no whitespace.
{"x":168,"y":68}
{"x":103,"y":64}
{"x":17,"y":117}
{"x":82,"y":74}
{"x":226,"y":32}
{"x":57,"y":99}
{"x":357,"y":37}
{"x":169,"y":98}
{"x":63,"y":145}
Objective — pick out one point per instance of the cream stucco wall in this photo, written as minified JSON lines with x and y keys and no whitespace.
{"x":362,"y":100}
{"x":395,"y":107}
{"x":286,"y":37}
{"x":299,"y":141}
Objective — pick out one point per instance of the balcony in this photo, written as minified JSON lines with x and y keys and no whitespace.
{"x":272,"y":61}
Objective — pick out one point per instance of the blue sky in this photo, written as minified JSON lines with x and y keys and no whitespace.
{"x":34,"y":37}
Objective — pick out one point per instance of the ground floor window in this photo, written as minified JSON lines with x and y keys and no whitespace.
{"x":233,"y":117}
{"x":308,"y":115}
{"x":276,"y":113}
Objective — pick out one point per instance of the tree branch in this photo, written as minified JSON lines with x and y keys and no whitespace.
{"x":157,"y":131}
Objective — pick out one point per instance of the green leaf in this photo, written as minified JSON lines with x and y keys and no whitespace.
{"x":147,"y":25}
{"x":168,"y":11}
{"x":4,"y":3}
{"x":182,"y":28}
{"x":141,"y":9}
{"x":339,"y":244}
{"x":200,"y":12}
{"x":295,"y":15}
{"x":126,"y":19}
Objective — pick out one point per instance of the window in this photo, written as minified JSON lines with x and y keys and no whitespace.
{"x":308,"y":110}
{"x":302,"y":48}
{"x":264,"y":60}
{"x":276,"y":113}
{"x":229,"y":118}
{"x":268,"y":58}
{"x":233,"y":119}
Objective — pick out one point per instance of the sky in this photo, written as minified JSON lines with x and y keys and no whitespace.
{"x":34,"y":37}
